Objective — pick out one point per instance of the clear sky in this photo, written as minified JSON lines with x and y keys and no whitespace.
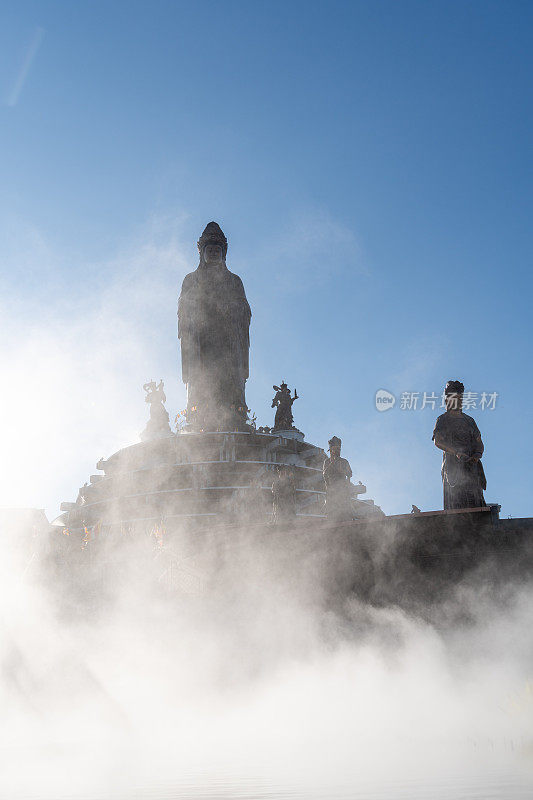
{"x":370,"y":164}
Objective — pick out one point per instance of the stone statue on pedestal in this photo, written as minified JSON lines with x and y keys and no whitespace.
{"x":213,"y":328}
{"x":158,"y":424}
{"x":282,"y":402}
{"x":457,"y":434}
{"x":337,"y":473}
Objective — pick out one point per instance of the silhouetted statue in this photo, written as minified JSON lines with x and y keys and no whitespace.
{"x":213,"y":327}
{"x":337,"y":473}
{"x":458,"y":435}
{"x":158,"y":424}
{"x":284,"y":494}
{"x":282,"y":402}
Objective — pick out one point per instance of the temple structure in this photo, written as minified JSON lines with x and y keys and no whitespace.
{"x":197,"y":506}
{"x":219,"y":468}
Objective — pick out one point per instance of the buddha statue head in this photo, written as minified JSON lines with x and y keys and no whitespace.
{"x":212,"y":246}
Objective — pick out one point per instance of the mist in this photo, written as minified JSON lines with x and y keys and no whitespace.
{"x":259,"y":676}
{"x":78,"y":356}
{"x":255,"y":673}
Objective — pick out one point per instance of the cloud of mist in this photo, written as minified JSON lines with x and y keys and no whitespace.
{"x":75,"y":366}
{"x":266,"y":679}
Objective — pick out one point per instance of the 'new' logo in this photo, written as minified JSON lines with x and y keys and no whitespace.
{"x":384,"y":400}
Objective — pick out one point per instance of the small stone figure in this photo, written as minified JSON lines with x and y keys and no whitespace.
{"x":284,"y":494}
{"x":158,"y":424}
{"x":457,"y":434}
{"x":337,"y":473}
{"x":282,"y":402}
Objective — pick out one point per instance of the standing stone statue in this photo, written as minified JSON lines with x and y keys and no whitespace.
{"x":158,"y":424}
{"x":213,"y":328}
{"x":458,"y":436}
{"x":284,"y":494}
{"x":282,"y":402}
{"x":337,"y":473}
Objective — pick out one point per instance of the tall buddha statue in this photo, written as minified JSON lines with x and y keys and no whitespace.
{"x":213,"y":329}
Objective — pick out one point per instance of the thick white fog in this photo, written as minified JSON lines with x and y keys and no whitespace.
{"x":75,"y":365}
{"x":255,"y":686}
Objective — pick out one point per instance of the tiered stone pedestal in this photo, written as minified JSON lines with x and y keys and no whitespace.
{"x":199,"y":477}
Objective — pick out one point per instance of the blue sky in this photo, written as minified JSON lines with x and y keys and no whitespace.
{"x":370,"y":163}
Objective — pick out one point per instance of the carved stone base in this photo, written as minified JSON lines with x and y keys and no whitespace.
{"x":289,"y":433}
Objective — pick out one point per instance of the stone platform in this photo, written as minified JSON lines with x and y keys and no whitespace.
{"x":200,"y":479}
{"x":434,"y":563}
{"x":439,"y":566}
